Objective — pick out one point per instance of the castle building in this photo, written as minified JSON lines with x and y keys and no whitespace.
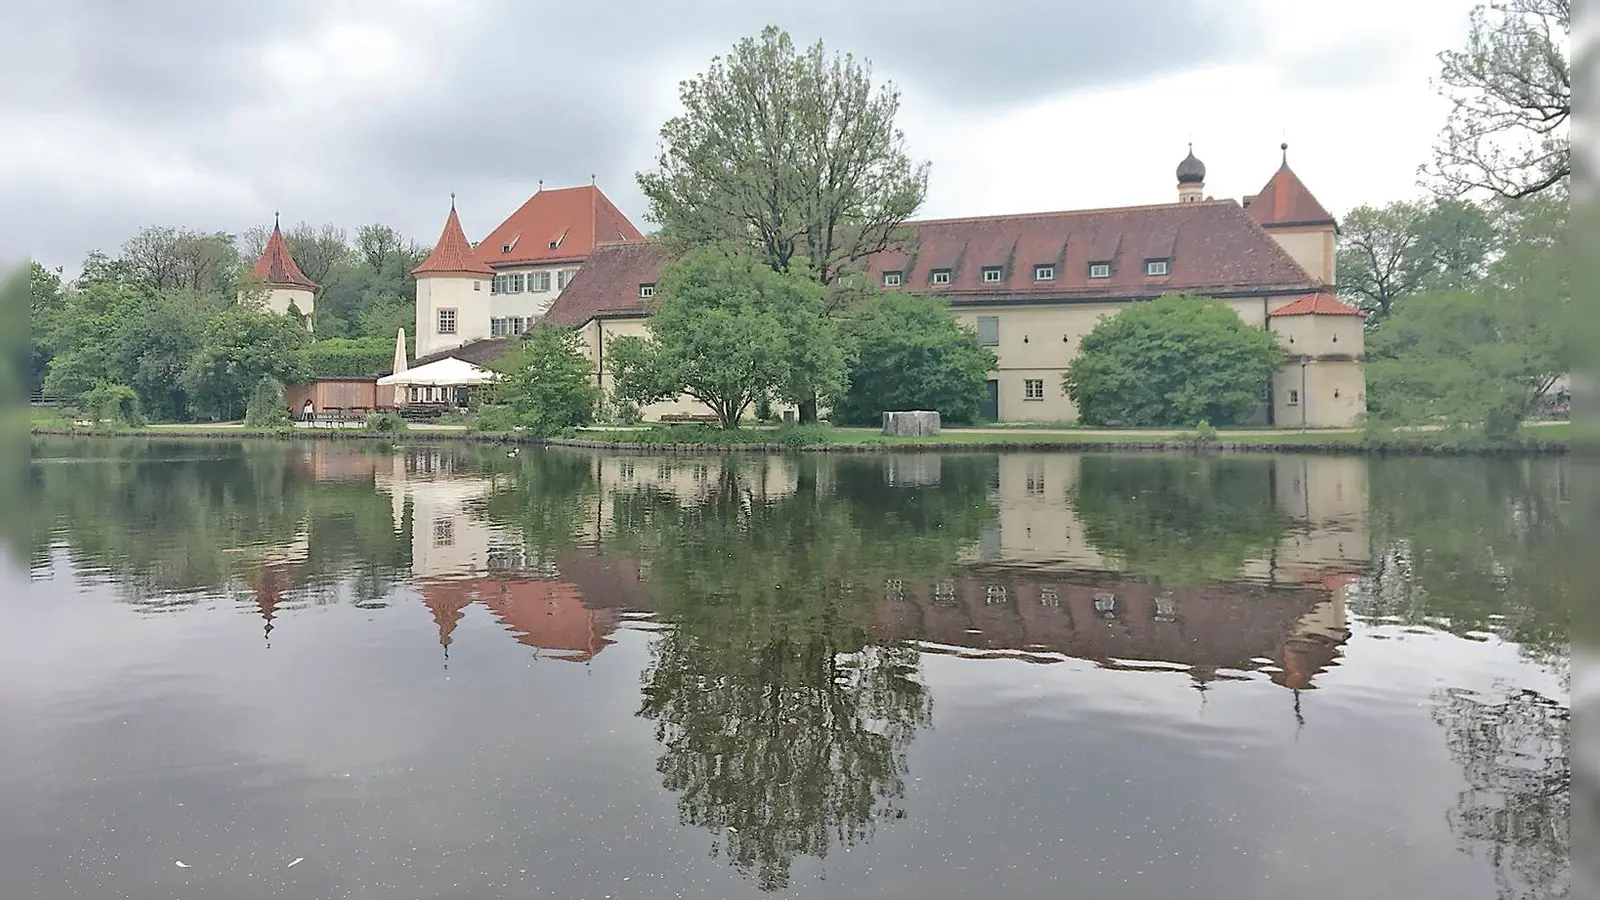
{"x":501,"y":285}
{"x":1032,"y":285}
{"x":286,"y":287}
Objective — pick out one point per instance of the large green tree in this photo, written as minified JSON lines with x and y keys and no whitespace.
{"x":1172,"y":362}
{"x":1510,"y":91}
{"x":171,"y":258}
{"x":1484,"y":357}
{"x":726,"y":329}
{"x":1408,"y":247}
{"x":792,"y":153}
{"x":239,"y":347}
{"x":909,"y":352}
{"x":546,"y":383}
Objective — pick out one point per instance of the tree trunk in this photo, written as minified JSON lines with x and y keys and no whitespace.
{"x":808,"y":411}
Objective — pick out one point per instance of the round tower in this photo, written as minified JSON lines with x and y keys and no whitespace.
{"x":1191,"y":178}
{"x":286,"y":287}
{"x":452,"y":291}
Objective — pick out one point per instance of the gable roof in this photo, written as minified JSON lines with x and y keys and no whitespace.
{"x":452,"y":255}
{"x":1286,"y":201}
{"x":277,"y":268}
{"x":1210,"y":247}
{"x":1318,"y":304}
{"x":573,"y":219}
{"x":481,"y":352}
{"x":608,"y":284}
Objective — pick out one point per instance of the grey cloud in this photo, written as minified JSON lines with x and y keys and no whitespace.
{"x":1355,"y":62}
{"x":530,"y":92}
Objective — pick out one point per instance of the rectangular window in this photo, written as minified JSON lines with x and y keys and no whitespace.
{"x":444,"y":532}
{"x":1155,"y":267}
{"x":497,"y":328}
{"x":564,"y":278}
{"x":1294,"y":397}
{"x":477,"y":285}
{"x":647,"y":290}
{"x":891,"y":279}
{"x":991,"y":274}
{"x":514,"y":283}
{"x":539,"y":281}
{"x":1033,"y":389}
{"x":1044,"y":273}
{"x":447,"y":321}
{"x":941,"y":276}
{"x":1099,"y":270}
{"x":494,"y":284}
{"x":989,"y":331}
{"x":518,"y":325}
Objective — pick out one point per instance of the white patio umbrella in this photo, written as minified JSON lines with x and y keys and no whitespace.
{"x":399,"y":351}
{"x":447,"y":372}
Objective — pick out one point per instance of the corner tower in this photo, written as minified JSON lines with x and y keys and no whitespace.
{"x":1294,"y":218}
{"x":1323,"y":384}
{"x":452,"y":291}
{"x":287,"y":288}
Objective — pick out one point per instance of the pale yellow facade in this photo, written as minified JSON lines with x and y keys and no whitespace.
{"x":281,"y":299}
{"x":1324,"y":384}
{"x":452,"y":309}
{"x":521,"y":295}
{"x":1312,"y":246}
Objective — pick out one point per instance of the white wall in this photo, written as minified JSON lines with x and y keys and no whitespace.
{"x":468,"y":295}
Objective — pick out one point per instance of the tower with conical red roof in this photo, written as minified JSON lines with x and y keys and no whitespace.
{"x":453,"y":288}
{"x":277,"y":282}
{"x":1287,"y":210}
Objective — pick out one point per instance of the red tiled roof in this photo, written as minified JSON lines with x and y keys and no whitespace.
{"x":1286,"y":201}
{"x":453,"y":253}
{"x":277,"y":268}
{"x":1211,"y":247}
{"x":1320,"y":304}
{"x":609,"y":283}
{"x":574,"y":219}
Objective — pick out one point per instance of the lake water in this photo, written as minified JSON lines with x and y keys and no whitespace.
{"x":350,"y":670}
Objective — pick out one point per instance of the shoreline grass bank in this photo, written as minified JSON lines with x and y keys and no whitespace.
{"x":1552,"y":439}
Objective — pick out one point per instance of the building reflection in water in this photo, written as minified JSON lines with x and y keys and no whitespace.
{"x":1035,"y":585}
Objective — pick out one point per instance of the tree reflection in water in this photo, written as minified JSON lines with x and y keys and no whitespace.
{"x":784,"y":726}
{"x":1509,"y":575}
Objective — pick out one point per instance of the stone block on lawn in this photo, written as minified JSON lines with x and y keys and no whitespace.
{"x":911,"y":423}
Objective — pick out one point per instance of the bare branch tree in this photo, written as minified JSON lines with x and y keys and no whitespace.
{"x":1510,"y":91}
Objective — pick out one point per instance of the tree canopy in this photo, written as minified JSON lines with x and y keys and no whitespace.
{"x":1482,"y":357}
{"x":793,"y":154}
{"x":547,"y":385}
{"x":909,"y":352}
{"x":1176,"y":361}
{"x":726,"y":330}
{"x":1407,"y":247}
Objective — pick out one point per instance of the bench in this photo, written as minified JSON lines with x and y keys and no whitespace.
{"x":688,"y":419}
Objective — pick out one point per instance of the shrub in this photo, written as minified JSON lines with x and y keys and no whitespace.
{"x":909,"y":352}
{"x":1169,"y":362}
{"x":348,"y":356}
{"x":111,"y":404}
{"x":385,"y":423}
{"x":267,"y":407}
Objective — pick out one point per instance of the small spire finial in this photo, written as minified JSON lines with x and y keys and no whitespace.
{"x":452,"y":201}
{"x":1285,"y":148}
{"x":274,"y":220}
{"x":541,"y":184}
{"x":591,"y":179}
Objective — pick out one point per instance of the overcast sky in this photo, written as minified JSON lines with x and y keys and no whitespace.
{"x":213,"y":113}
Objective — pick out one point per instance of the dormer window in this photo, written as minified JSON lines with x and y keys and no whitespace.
{"x":555,"y":242}
{"x":510,"y":245}
{"x":891,"y":279}
{"x":940,"y":276}
{"x":991,"y":274}
{"x":1155,"y":267}
{"x":647,"y":290}
{"x":1100,"y":270}
{"x":1044,"y":273}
